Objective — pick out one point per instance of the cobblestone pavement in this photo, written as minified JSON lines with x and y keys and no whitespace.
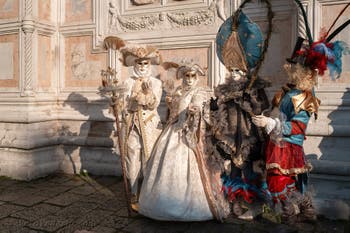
{"x":81,"y":204}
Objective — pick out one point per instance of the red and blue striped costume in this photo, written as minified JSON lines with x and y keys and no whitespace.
{"x":285,"y":160}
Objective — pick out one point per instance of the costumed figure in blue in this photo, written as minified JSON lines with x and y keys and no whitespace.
{"x":293,"y":105}
{"x":240,"y":47}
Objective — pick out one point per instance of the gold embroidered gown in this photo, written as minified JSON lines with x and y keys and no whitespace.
{"x":172,"y":188}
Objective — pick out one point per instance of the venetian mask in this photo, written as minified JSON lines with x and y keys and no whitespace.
{"x":143,"y":66}
{"x":237,"y":74}
{"x":190,"y":78}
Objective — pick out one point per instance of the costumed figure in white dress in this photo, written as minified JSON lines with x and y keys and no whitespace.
{"x":142,"y":124}
{"x":294,"y":105}
{"x":177,"y":184}
{"x":241,"y":48}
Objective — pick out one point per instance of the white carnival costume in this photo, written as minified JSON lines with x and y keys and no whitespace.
{"x":173,"y":187}
{"x":142,"y":124}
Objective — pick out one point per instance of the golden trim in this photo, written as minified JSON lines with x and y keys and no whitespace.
{"x":278,"y":98}
{"x":288,"y":171}
{"x":306,"y":101}
{"x":143,"y":133}
{"x":149,"y":118}
{"x":128,"y":121}
{"x":233,"y":53}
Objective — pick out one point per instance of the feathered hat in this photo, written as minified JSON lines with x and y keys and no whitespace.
{"x":184,"y":67}
{"x":322,"y":54}
{"x":240,"y":43}
{"x":134,"y":54}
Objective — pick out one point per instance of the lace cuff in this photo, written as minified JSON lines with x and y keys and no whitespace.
{"x":276,"y":133}
{"x":270,"y":124}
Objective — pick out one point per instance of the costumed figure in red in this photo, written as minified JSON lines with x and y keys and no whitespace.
{"x":294,"y":105}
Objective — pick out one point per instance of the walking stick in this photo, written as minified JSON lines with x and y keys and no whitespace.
{"x":122,"y":153}
{"x":110,"y":85}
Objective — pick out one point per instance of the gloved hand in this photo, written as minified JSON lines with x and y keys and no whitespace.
{"x":267,"y":122}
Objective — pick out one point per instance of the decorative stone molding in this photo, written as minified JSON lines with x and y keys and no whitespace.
{"x":148,"y":22}
{"x":142,"y":2}
{"x":220,"y":5}
{"x":185,"y":19}
{"x":162,"y":20}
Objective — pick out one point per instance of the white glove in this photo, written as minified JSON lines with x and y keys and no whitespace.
{"x":267,"y":122}
{"x":227,"y":167}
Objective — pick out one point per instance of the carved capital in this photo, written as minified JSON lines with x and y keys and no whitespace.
{"x":28,"y":24}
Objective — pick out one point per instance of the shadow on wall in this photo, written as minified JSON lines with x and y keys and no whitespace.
{"x":87,"y":139}
{"x":337,"y":129}
{"x":331,"y":173}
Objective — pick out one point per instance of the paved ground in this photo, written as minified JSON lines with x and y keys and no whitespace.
{"x":67,"y":203}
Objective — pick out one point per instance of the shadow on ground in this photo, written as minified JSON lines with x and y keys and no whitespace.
{"x":82,"y":204}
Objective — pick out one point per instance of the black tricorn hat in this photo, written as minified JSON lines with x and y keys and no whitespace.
{"x":295,"y":58}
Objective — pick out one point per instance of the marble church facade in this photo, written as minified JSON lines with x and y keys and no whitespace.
{"x":51,"y":55}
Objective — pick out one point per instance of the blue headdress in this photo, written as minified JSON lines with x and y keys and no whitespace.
{"x":247,"y":43}
{"x":240,"y":43}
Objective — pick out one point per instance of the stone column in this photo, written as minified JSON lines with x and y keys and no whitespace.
{"x":28,"y":27}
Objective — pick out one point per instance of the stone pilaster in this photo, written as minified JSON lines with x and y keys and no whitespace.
{"x":28,"y":27}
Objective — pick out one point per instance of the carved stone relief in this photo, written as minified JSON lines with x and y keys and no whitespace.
{"x":205,"y":17}
{"x":81,"y":65}
{"x":179,"y":0}
{"x":142,"y":2}
{"x":7,"y":138}
{"x":162,"y":20}
{"x":118,"y":23}
{"x":81,"y":68}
